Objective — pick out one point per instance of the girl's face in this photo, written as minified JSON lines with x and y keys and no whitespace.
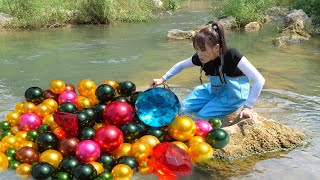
{"x":210,"y":53}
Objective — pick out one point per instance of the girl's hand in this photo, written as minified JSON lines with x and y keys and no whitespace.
{"x":247,"y":113}
{"x":157,"y":82}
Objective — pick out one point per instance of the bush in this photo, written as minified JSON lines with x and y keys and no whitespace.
{"x":172,"y":5}
{"x":244,"y":11}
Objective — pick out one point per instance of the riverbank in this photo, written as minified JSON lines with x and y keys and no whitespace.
{"x":34,"y":14}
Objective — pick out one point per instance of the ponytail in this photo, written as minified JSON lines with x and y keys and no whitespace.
{"x":217,"y":27}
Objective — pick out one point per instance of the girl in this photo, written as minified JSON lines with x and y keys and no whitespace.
{"x":229,"y":73}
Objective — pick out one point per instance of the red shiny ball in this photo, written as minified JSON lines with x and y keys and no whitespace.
{"x":108,"y":137}
{"x":118,"y":113}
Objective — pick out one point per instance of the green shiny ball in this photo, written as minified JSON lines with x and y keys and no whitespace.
{"x":5,"y":125}
{"x":11,"y":152}
{"x":130,"y":161}
{"x":105,"y":93}
{"x":62,"y":176}
{"x":105,"y":175}
{"x":44,"y":128}
{"x":107,"y":161}
{"x":7,"y":133}
{"x":14,"y":164}
{"x":215,"y":122}
{"x":32,"y":135}
{"x":11,"y":158}
{"x":67,"y":107}
{"x":126,"y":88}
{"x":218,"y":138}
{"x":87,"y":134}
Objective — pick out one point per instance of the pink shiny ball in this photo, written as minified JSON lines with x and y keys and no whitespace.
{"x":87,"y":151}
{"x":67,"y":96}
{"x":203,"y":127}
{"x":118,"y":113}
{"x":108,"y":137}
{"x":29,"y":121}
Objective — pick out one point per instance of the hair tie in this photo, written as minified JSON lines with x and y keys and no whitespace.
{"x":215,"y":27}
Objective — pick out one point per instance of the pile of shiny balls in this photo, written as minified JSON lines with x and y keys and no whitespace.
{"x":110,"y":131}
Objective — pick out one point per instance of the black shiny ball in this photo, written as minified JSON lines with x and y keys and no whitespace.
{"x":67,"y":107}
{"x":42,"y":170}
{"x":131,"y":132}
{"x":105,"y":93}
{"x":84,"y":171}
{"x":107,"y":161}
{"x":84,"y":120}
{"x":126,"y":88}
{"x":86,"y":133}
{"x":47,"y":140}
{"x":122,"y":98}
{"x":34,"y":95}
{"x":98,"y":108}
{"x":67,"y":164}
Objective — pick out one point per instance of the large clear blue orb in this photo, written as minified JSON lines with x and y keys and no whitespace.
{"x":157,"y":107}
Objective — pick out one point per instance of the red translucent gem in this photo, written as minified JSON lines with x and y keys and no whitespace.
{"x":171,"y":161}
{"x":68,"y":123}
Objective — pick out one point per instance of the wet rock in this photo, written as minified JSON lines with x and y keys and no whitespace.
{"x":256,"y":136}
{"x":297,"y":16}
{"x":180,"y":34}
{"x":296,"y":23}
{"x":253,"y":26}
{"x":4,"y":18}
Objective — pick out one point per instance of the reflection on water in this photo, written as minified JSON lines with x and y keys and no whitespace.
{"x":140,"y":52}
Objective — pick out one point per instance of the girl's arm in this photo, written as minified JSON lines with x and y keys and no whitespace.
{"x":257,"y":81}
{"x":173,"y":71}
{"x":178,"y":68}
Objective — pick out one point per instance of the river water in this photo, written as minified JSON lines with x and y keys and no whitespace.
{"x":140,"y":52}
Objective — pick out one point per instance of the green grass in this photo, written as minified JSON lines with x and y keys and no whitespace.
{"x":47,"y":13}
{"x":246,"y":11}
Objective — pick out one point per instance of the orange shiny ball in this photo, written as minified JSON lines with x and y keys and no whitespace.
{"x":52,"y":104}
{"x":122,"y":171}
{"x":112,"y":83}
{"x":52,"y":157}
{"x":4,"y":163}
{"x":29,"y":107}
{"x":181,"y":145}
{"x":13,"y":118}
{"x":98,"y":166}
{"x":57,"y":86}
{"x":43,"y":110}
{"x":182,"y":128}
{"x":123,"y":150}
{"x":23,"y":170}
{"x":18,"y":107}
{"x":87,"y":87}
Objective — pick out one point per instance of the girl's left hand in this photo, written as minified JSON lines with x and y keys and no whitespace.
{"x":247,"y":113}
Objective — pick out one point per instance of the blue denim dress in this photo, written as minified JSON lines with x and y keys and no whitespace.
{"x":222,"y":96}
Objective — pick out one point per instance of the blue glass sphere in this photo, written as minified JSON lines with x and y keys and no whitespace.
{"x":157,"y":107}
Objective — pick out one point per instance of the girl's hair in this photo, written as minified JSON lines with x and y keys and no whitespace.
{"x":212,"y":35}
